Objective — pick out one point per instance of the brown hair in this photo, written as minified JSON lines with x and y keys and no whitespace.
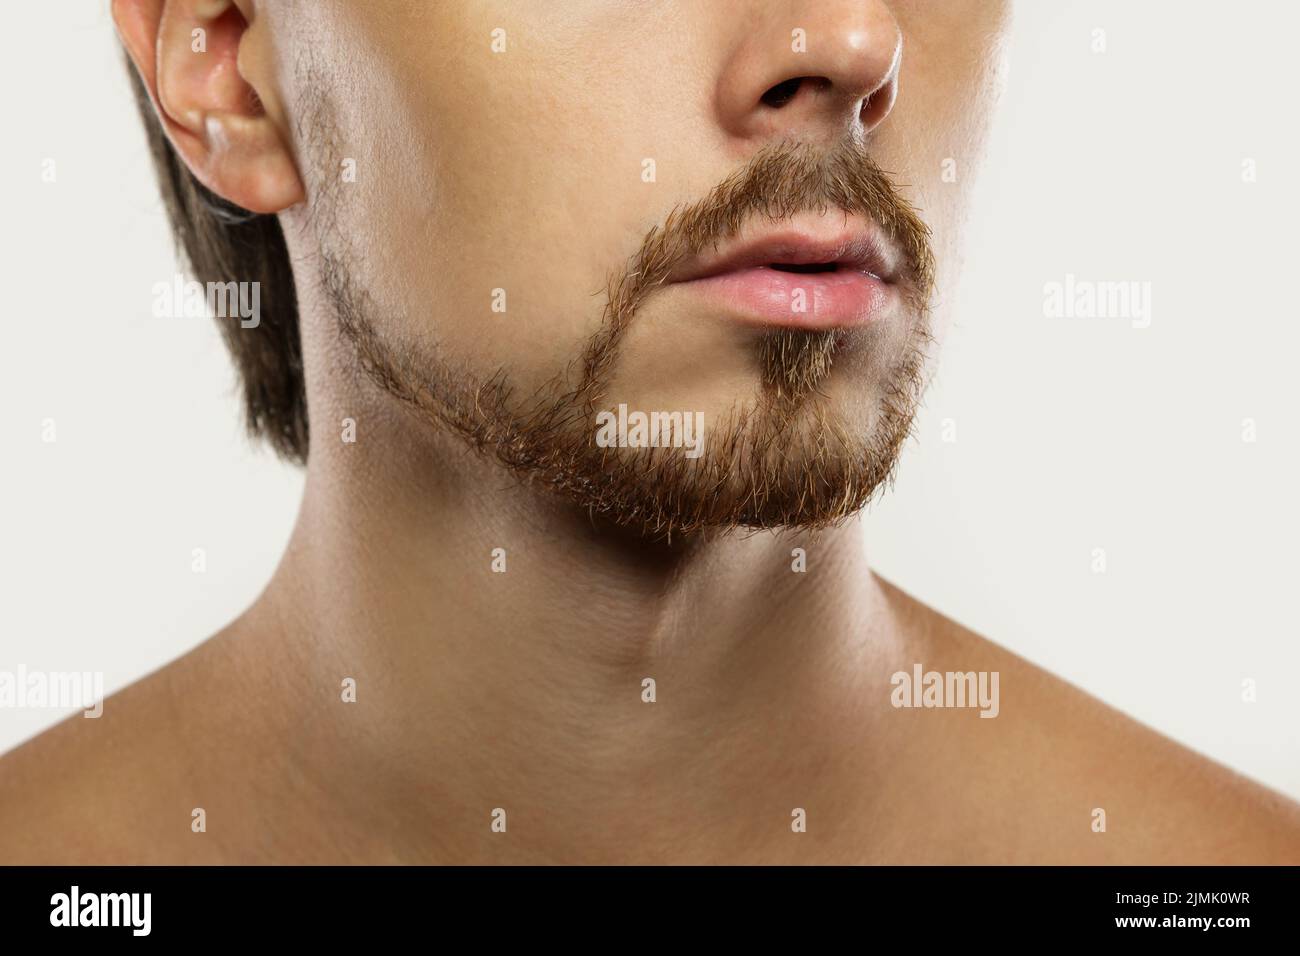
{"x":224,"y":243}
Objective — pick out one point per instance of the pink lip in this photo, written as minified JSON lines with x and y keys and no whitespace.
{"x":826,"y":300}
{"x":745,"y":283}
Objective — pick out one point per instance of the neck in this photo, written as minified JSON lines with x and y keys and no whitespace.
{"x":511,"y":653}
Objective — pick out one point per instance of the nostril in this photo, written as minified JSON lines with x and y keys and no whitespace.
{"x":877,"y":106}
{"x":782,"y":93}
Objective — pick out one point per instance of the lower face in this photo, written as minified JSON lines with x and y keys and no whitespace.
{"x":512,"y":248}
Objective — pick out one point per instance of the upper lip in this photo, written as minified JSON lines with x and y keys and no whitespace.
{"x":859,"y":247}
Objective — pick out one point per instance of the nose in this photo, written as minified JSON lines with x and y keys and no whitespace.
{"x":812,"y":70}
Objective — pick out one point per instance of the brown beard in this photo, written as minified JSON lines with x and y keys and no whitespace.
{"x":787,"y":459}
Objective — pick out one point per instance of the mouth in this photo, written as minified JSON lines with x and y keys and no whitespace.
{"x":813,"y":273}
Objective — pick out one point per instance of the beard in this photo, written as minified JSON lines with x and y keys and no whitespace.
{"x":787,"y":457}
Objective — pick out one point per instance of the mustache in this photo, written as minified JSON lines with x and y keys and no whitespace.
{"x":778,"y":182}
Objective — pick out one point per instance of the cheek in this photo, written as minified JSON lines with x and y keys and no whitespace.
{"x":485,"y":218}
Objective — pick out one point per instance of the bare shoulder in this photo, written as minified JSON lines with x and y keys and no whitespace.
{"x":65,"y":794}
{"x":130,"y":786}
{"x":95,"y":790}
{"x":1058,"y":776}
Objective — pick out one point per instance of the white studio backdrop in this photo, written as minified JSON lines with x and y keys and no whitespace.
{"x":1112,"y":498}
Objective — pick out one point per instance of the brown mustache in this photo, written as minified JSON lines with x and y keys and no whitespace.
{"x":780,"y":181}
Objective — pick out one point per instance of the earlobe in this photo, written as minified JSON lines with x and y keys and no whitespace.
{"x":188,"y":54}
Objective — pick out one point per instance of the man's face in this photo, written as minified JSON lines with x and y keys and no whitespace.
{"x":530,"y":213}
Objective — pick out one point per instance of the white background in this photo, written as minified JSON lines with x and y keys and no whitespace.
{"x":1071,"y":435}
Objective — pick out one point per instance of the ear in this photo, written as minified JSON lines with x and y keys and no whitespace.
{"x":189,"y":55}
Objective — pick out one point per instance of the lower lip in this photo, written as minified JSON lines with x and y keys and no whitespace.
{"x":845,"y":298}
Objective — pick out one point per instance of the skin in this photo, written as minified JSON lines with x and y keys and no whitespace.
{"x":522,"y":690}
